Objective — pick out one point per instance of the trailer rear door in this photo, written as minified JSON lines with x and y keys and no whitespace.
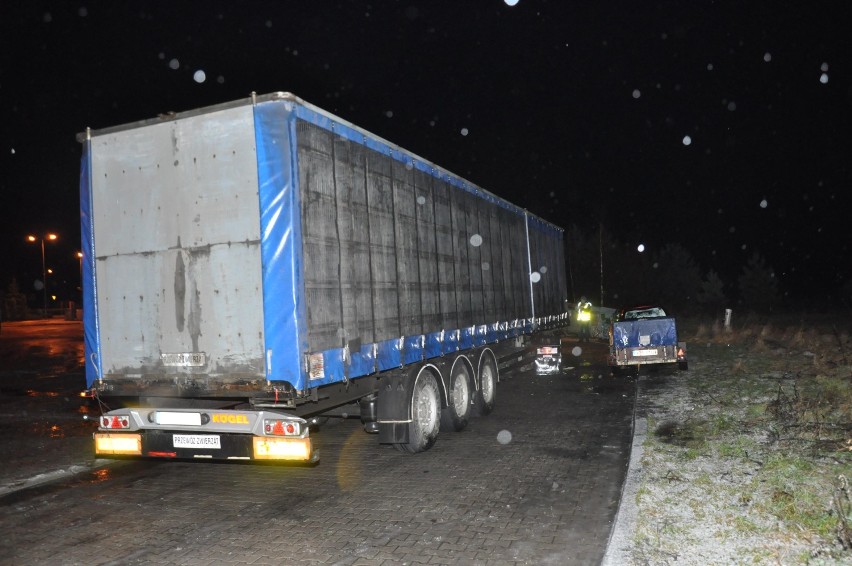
{"x":176,"y":226}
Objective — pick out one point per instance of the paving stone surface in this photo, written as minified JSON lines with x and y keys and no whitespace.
{"x":548,"y":496}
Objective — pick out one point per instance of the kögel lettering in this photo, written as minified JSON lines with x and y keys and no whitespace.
{"x":229,"y":419}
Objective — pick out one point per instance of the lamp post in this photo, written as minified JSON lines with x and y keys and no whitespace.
{"x":80,"y":257}
{"x":49,"y":237}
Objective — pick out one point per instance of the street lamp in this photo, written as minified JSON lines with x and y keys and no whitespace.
{"x":33,"y":239}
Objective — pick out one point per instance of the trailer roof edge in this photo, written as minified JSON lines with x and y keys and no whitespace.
{"x":254,"y":99}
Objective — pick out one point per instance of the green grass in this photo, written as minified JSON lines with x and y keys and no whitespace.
{"x":739,"y":447}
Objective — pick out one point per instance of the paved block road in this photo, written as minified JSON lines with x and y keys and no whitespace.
{"x":547,"y":496}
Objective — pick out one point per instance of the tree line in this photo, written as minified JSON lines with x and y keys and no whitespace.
{"x":611,"y":273}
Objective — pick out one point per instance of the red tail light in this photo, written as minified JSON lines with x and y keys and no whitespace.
{"x":115,"y":422}
{"x":281,"y":427}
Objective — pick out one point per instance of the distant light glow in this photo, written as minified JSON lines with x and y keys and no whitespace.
{"x":82,"y":12}
{"x":577,"y":351}
{"x":656,"y":265}
{"x":504,"y":436}
{"x":476,"y":240}
{"x":636,"y":93}
{"x":641,"y":248}
{"x":174,"y":64}
{"x":823,"y":78}
{"x":542,"y":269}
{"x":464,"y":131}
{"x":687,"y":140}
{"x":763,"y":203}
{"x":389,"y":113}
{"x":199,"y":76}
{"x":709,"y":66}
{"x":824,"y":67}
{"x":13,"y":151}
{"x":421,"y":200}
{"x":511,"y":2}
{"x":767,"y":57}
{"x":732,"y":106}
{"x":535,"y":276}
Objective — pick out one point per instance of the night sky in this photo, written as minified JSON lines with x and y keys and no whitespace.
{"x":722,"y":126}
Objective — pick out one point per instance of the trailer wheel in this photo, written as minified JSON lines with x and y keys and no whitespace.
{"x":425,"y":415}
{"x":314,"y":423}
{"x":487,"y":394}
{"x":458,"y":411}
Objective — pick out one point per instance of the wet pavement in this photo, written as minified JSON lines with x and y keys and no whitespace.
{"x":536,"y":482}
{"x":43,"y":434}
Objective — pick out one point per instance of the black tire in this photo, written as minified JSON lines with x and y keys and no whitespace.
{"x":486,"y":395}
{"x":459,"y":393}
{"x":425,"y":413}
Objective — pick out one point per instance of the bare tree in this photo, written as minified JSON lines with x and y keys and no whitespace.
{"x":676,"y":277}
{"x":711,"y":295}
{"x":758,"y":285}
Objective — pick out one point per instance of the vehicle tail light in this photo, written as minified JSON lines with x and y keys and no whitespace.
{"x":280,"y":427}
{"x":115,"y":422}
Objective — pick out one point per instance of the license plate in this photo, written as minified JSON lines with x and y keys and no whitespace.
{"x":645,"y":352}
{"x":184,"y":359}
{"x":196,"y":441}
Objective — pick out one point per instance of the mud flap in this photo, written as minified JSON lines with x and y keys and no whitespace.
{"x":392,"y":411}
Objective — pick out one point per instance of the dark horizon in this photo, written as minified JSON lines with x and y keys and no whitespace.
{"x":721,"y":127}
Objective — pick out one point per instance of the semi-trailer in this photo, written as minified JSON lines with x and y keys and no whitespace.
{"x":252,"y":265}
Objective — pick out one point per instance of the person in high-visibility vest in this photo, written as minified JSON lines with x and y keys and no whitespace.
{"x":584,"y":317}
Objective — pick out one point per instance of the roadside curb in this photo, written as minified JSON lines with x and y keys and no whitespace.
{"x":624,"y":528}
{"x":50,"y":477}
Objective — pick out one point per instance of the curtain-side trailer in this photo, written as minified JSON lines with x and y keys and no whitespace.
{"x":250,"y":265}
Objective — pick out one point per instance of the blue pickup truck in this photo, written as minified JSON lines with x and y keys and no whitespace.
{"x":643,"y":336}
